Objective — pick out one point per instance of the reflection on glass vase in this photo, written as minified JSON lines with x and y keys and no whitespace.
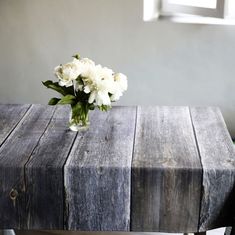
{"x":78,"y":123}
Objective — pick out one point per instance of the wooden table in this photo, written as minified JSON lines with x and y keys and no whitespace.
{"x":169,"y":169}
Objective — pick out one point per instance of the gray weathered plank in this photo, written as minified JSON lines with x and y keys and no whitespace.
{"x":44,"y":174}
{"x":14,"y":154}
{"x":98,"y":173}
{"x":10,"y":115}
{"x":218,"y":161}
{"x":166,"y":171}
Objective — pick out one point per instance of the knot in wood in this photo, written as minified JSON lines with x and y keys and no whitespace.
{"x":13,"y":194}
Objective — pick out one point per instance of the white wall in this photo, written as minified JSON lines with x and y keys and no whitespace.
{"x":167,"y":63}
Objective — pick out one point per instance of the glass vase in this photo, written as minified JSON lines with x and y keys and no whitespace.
{"x":75,"y":124}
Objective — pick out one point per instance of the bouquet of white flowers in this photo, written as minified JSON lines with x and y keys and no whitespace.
{"x":85,"y":85}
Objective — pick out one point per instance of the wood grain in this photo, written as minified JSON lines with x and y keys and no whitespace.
{"x":98,"y":173}
{"x":218,"y":161}
{"x":166,"y":171}
{"x":44,"y":174}
{"x":169,"y":169}
{"x":14,"y":154}
{"x":10,"y":115}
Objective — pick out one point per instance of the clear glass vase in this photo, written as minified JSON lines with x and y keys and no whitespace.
{"x":77,"y":124}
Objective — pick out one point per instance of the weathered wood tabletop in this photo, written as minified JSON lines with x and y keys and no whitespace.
{"x":168,"y":169}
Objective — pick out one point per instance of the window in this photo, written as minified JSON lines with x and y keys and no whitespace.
{"x":208,"y":10}
{"x":195,"y":3}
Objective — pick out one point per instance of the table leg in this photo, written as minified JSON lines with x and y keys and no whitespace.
{"x":232,"y":231}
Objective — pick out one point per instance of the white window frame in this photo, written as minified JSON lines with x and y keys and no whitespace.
{"x":151,"y":9}
{"x":223,"y":14}
{"x":218,"y":12}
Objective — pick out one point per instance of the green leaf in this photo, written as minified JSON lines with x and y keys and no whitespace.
{"x":54,"y":86}
{"x":53,"y":101}
{"x":68,"y":99}
{"x":61,"y":89}
{"x":47,"y":83}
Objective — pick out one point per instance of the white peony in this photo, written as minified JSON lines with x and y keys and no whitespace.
{"x":104,"y":73}
{"x":89,"y":77}
{"x":67,"y":73}
{"x":87,"y":61}
{"x":100,"y":97}
{"x":102,"y":85}
{"x":99,"y":84}
{"x":120,"y":85}
{"x":121,"y":81}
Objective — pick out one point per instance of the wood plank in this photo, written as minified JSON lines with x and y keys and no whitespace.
{"x":14,"y":154}
{"x":166,"y":171}
{"x":218,"y":161}
{"x":98,"y":173}
{"x":10,"y":115}
{"x":44,"y":174}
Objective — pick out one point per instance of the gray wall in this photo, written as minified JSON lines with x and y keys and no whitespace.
{"x":167,"y":63}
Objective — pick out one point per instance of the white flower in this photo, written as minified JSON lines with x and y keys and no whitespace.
{"x":116,"y":96}
{"x":104,"y":73}
{"x":100,"y":92}
{"x":58,"y":72}
{"x":102,"y":85}
{"x":120,"y":85}
{"x":99,"y":84}
{"x":96,"y":76}
{"x":87,"y":61}
{"x":89,"y":78}
{"x":67,"y":73}
{"x":121,"y":81}
{"x":88,"y":72}
{"x":100,"y":98}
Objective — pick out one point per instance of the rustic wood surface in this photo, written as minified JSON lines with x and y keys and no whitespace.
{"x":166,"y":171}
{"x":14,"y":154}
{"x":169,"y":169}
{"x":44,"y":174}
{"x":10,"y":115}
{"x":98,"y":173}
{"x":218,"y":163}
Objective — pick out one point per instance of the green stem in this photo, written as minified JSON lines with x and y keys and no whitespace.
{"x":80,"y":114}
